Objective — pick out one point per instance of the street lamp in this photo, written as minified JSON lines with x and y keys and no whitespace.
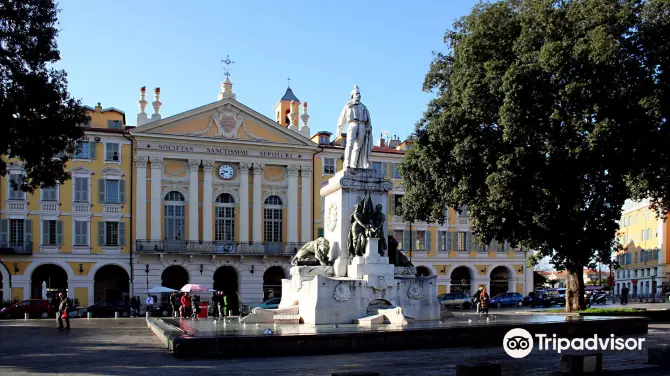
{"x":146,"y":270}
{"x":653,"y":285}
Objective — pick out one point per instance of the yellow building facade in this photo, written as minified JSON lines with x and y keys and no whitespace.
{"x":224,"y":196}
{"x":75,"y":236}
{"x":643,"y":260}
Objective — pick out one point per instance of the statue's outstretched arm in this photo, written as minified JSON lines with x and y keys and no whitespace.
{"x":341,"y":122}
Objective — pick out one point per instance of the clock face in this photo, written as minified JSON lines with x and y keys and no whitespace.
{"x":226,"y":172}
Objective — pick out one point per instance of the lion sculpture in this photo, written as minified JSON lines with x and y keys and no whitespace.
{"x":315,"y":250}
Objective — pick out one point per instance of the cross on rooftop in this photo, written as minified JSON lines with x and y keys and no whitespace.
{"x":227,"y":68}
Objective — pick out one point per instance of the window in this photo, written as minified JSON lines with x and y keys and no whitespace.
{"x":319,"y":232}
{"x":225,"y":218}
{"x":114,"y":124}
{"x":328,"y":166}
{"x":174,"y":215}
{"x":324,"y":139}
{"x":396,"y":173}
{"x":464,"y":211}
{"x":81,"y":189}
{"x":636,"y":257}
{"x":377,"y":166}
{"x":396,"y":204}
{"x":80,"y":233}
{"x":52,"y":232}
{"x":442,"y":241}
{"x":112,"y":191}
{"x":273,"y":219}
{"x":461,"y":241}
{"x":50,"y":194}
{"x":16,"y":194}
{"x":112,"y":152}
{"x":399,"y":237}
{"x":16,"y":232}
{"x":85,"y":150}
{"x":112,"y":234}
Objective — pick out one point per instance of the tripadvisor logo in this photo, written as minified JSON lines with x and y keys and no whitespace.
{"x":518,"y":343}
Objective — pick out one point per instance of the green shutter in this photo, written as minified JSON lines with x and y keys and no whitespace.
{"x":45,"y":232}
{"x":428,"y":245}
{"x":101,"y":233}
{"x":385,"y":169}
{"x":28,"y":230}
{"x":468,"y":241}
{"x":101,"y":190}
{"x":92,"y":150}
{"x":122,"y":234}
{"x":4,"y":231}
{"x":122,"y":191}
{"x":392,"y":204}
{"x":454,"y":241}
{"x":59,"y":232}
{"x":450,"y":241}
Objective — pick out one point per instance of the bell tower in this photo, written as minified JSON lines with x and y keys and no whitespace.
{"x":286,"y":110}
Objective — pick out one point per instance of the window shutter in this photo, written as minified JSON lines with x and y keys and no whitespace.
{"x":468,"y":241}
{"x":85,"y":187}
{"x":59,"y":232}
{"x":28,"y":230}
{"x":385,"y":169}
{"x":77,"y":189}
{"x":440,"y":240}
{"x":450,"y":241}
{"x":122,"y":191}
{"x":122,"y":234}
{"x":92,"y":150}
{"x":101,"y":190}
{"x":4,"y":231}
{"x":392,"y":204}
{"x":45,"y":232}
{"x":405,"y":240}
{"x":428,"y":245}
{"x":101,"y":233}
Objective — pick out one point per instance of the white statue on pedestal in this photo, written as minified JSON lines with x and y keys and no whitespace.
{"x":359,"y":132}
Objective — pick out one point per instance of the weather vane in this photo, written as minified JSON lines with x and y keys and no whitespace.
{"x":227,"y":68}
{"x":289,"y":82}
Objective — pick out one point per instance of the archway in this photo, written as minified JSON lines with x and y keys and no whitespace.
{"x":500,"y":280}
{"x":376,"y":305}
{"x":423,"y":271}
{"x":111,"y":282}
{"x":461,"y":280}
{"x":225,"y":279}
{"x":174,"y":277}
{"x":55,"y":277}
{"x":272,"y":282}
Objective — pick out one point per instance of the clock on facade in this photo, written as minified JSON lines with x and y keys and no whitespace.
{"x":226,"y":172}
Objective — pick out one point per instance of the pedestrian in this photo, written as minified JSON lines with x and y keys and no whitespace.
{"x":224,"y":304}
{"x":174,"y":303}
{"x":63,"y":313}
{"x":150,"y":304}
{"x":195,"y":307}
{"x":484,"y":301}
{"x":215,"y":304}
{"x":476,"y":299}
{"x":624,"y":295}
{"x":185,"y":306}
{"x":132,"y":306}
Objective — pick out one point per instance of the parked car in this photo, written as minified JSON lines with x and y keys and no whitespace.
{"x":507,"y":299}
{"x":455,"y":300}
{"x":270,"y":304}
{"x":537,"y":298}
{"x":107,"y":308}
{"x":557,"y":296}
{"x":34,"y":307}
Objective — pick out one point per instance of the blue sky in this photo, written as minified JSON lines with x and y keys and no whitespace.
{"x":112,"y":48}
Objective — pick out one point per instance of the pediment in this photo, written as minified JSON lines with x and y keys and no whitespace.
{"x":226,"y":119}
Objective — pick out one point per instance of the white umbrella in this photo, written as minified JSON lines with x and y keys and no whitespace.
{"x":194,"y":288}
{"x":160,"y":289}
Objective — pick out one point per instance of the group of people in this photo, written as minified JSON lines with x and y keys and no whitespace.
{"x":136,"y":303}
{"x":185,"y":306}
{"x":220,"y":302}
{"x":481,"y":300}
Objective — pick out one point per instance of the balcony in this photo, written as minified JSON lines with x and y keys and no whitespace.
{"x":112,"y":209}
{"x":16,"y":248}
{"x":51,"y":207}
{"x":195,"y":247}
{"x":17,"y":205}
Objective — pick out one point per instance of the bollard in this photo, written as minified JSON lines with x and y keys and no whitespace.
{"x":116,"y":315}
{"x":659,"y":356}
{"x":89,"y":315}
{"x":489,"y":369}
{"x":580,"y":364}
{"x":26,"y":316}
{"x":147,"y":314}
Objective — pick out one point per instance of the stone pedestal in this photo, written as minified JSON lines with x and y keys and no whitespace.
{"x":344,"y":190}
{"x":374,"y":269}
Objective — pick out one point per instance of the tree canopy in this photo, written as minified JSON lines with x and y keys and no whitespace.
{"x":549,"y":114}
{"x":39,"y":120}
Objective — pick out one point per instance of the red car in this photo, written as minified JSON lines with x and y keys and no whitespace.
{"x":34,"y":307}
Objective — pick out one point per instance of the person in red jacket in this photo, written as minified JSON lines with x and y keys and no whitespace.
{"x":185,"y":306}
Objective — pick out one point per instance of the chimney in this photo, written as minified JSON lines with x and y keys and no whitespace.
{"x":293,"y":117}
{"x":395,"y":141}
{"x":381,"y":142}
{"x":98,"y":108}
{"x":142,"y":116}
{"x":304,"y":117}
{"x":157,"y":104}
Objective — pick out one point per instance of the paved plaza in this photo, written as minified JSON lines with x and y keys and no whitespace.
{"x":126,"y":347}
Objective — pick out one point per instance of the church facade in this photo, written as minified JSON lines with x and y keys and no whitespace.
{"x":224,"y":196}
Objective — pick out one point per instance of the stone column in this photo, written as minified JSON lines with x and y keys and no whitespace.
{"x":207,"y":217}
{"x":156,"y":196}
{"x":141,"y":198}
{"x":257,"y":203}
{"x":292,"y":220}
{"x":193,"y":167}
{"x":306,"y":208}
{"x":244,"y":202}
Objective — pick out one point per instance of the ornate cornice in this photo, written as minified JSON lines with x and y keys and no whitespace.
{"x":244,"y":168}
{"x":193,"y":165}
{"x":258,"y":168}
{"x":141,"y":161}
{"x":208,"y":166}
{"x":292,"y":170}
{"x":156,"y":162}
{"x":354,"y":179}
{"x":306,"y":170}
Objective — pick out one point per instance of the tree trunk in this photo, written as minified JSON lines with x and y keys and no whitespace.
{"x":574,"y":294}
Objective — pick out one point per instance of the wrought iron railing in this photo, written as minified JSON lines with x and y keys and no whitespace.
{"x":217,"y":247}
{"x":16,"y":247}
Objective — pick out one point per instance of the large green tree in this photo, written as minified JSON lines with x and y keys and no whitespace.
{"x":548,"y":115}
{"x":38,"y":118}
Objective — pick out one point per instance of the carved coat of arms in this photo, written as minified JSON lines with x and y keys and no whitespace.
{"x":227,"y":123}
{"x":331,"y":217}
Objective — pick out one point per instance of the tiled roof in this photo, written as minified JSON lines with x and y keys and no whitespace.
{"x":289,"y":96}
